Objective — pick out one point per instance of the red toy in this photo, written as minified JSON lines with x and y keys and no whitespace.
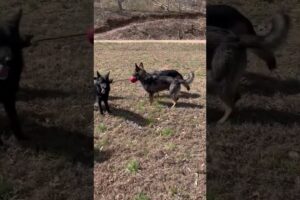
{"x":133,"y":79}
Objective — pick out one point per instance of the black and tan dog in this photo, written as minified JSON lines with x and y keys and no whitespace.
{"x":229,"y":18}
{"x":161,"y":80}
{"x":102,"y":89}
{"x":11,"y":64}
{"x":227,"y":56}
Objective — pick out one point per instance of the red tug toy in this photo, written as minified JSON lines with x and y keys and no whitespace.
{"x":133,"y":79}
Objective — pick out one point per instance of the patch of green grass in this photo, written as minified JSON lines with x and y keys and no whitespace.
{"x":101,"y":128}
{"x":133,"y":166}
{"x":170,"y":146}
{"x":141,"y":106}
{"x":100,"y":144}
{"x":158,"y":107}
{"x":141,"y":196}
{"x":6,"y":189}
{"x":167,"y":132}
{"x":150,"y":121}
{"x":173,"y":191}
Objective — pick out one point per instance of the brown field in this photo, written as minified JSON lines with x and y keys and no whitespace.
{"x":255,"y":155}
{"x":150,"y":152}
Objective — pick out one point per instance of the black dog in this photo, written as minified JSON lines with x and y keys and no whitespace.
{"x":229,"y":18}
{"x":11,"y":64}
{"x":102,"y":87}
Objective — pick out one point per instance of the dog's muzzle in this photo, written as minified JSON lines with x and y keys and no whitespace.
{"x":3,"y":72}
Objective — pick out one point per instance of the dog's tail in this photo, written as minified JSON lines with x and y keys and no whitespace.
{"x":190,"y":78}
{"x":187,"y":81}
{"x":273,"y":39}
{"x":279,"y":31}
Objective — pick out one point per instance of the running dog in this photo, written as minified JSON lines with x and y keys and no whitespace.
{"x":161,"y":80}
{"x":227,"y":57}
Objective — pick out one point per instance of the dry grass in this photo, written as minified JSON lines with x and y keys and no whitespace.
{"x":143,"y":20}
{"x":255,"y":155}
{"x":150,"y":151}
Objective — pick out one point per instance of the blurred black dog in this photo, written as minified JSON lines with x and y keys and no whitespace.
{"x":102,"y":88}
{"x":11,"y":64}
{"x":227,"y":57}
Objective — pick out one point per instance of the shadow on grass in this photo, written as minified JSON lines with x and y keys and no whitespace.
{"x":268,"y":86}
{"x":180,"y":105}
{"x":73,"y":146}
{"x":112,"y":98}
{"x":183,"y":95}
{"x":254,"y":115}
{"x":28,"y":94}
{"x":102,"y":156}
{"x":130,"y":116}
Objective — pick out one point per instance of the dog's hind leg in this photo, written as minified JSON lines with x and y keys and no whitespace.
{"x":10,"y":108}
{"x":174,"y":92}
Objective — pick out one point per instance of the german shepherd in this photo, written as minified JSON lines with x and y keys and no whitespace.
{"x":102,"y":89}
{"x":227,"y":17}
{"x":11,"y":64}
{"x":161,"y":80}
{"x":227,"y":57}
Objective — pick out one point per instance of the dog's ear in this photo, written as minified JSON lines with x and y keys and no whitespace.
{"x":106,"y":77}
{"x":98,"y":75}
{"x":141,"y":65}
{"x":110,"y":80}
{"x":137,"y":68}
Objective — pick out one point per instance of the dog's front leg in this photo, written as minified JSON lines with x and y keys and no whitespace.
{"x":151,"y":98}
{"x":10,"y":108}
{"x":107,"y":106}
{"x":100,"y":106}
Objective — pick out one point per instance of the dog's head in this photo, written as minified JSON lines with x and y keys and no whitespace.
{"x":11,"y":44}
{"x":102,"y":83}
{"x":139,"y":73}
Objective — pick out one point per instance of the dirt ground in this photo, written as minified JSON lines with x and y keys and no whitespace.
{"x":150,"y":152}
{"x":55,"y":104}
{"x":145,"y":21}
{"x":255,"y":155}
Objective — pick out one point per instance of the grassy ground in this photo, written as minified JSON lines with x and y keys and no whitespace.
{"x":150,"y":152}
{"x":55,"y":106}
{"x":143,"y":19}
{"x":255,"y":155}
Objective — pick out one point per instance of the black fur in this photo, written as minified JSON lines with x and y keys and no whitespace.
{"x":11,"y":64}
{"x":102,"y":88}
